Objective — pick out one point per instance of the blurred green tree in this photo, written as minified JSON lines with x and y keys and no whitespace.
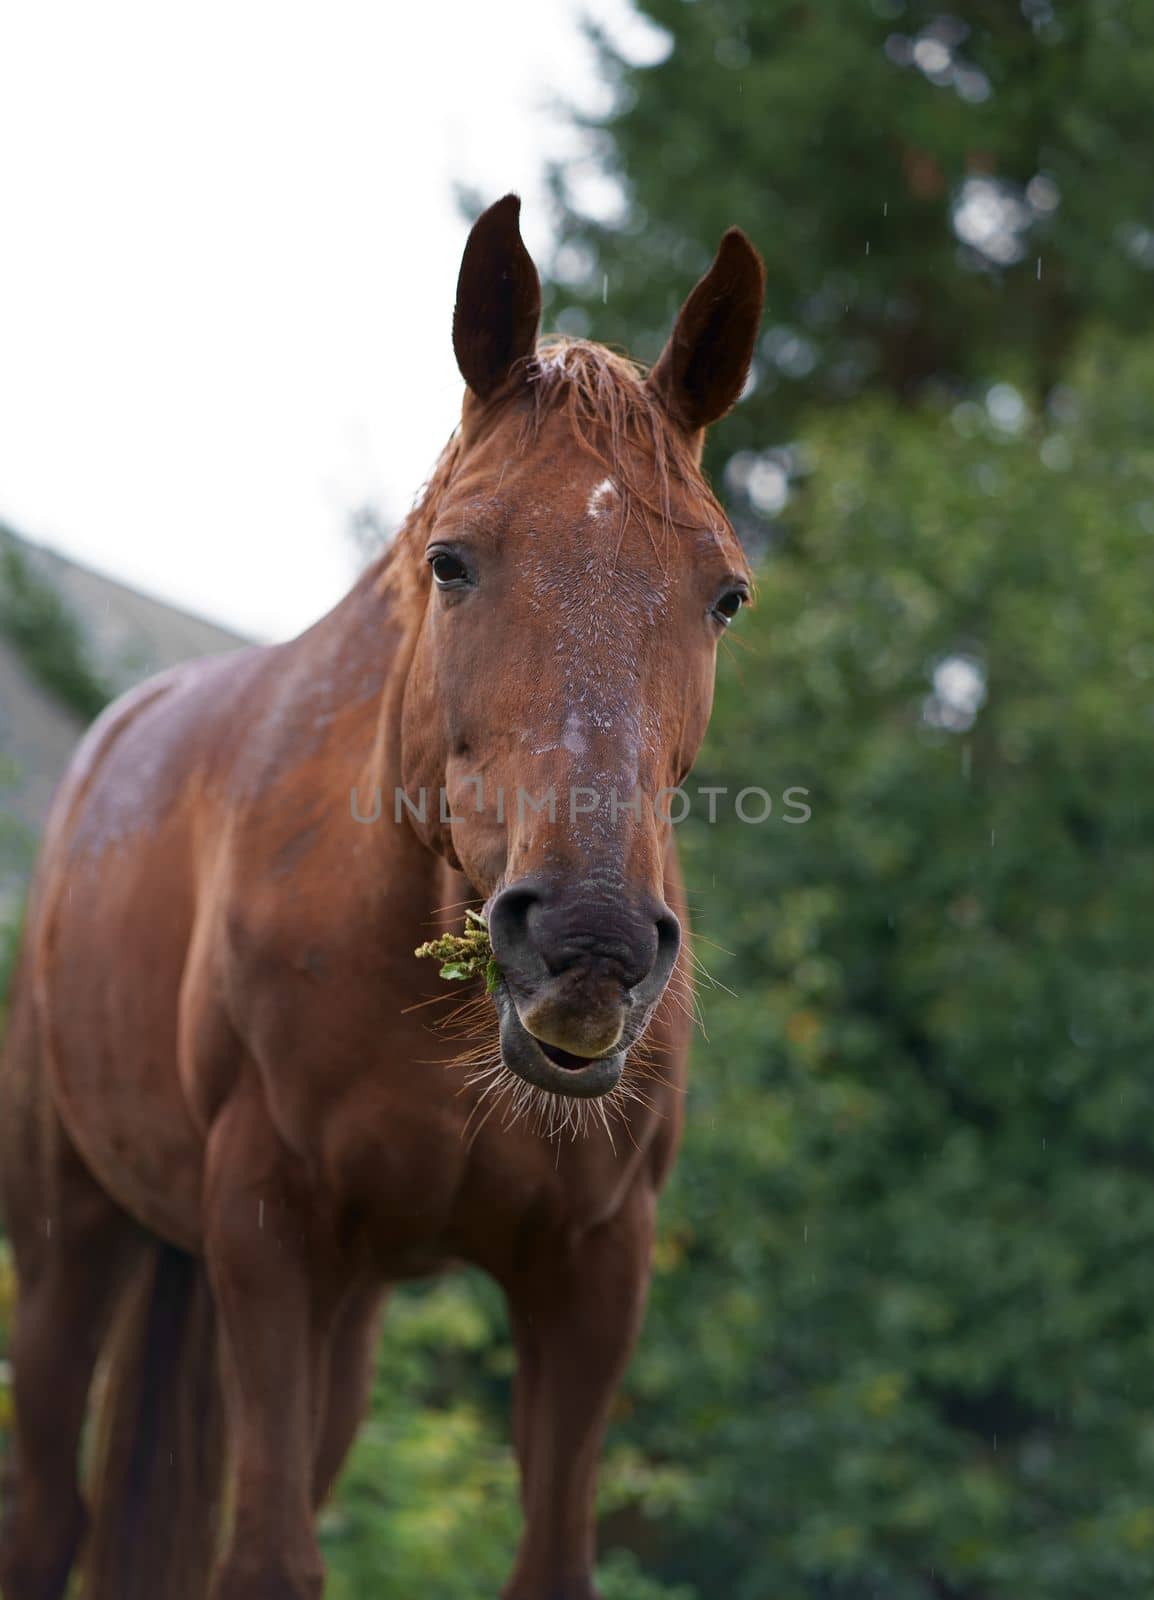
{"x":37,"y":621}
{"x":906,"y":1342}
{"x":938,"y":192}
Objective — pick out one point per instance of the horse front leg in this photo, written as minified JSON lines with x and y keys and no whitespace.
{"x":576,"y":1310}
{"x":277,"y":1285}
{"x":350,"y":1380}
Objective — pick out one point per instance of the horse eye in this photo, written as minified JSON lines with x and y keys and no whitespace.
{"x":448,"y":570}
{"x":729,"y":605}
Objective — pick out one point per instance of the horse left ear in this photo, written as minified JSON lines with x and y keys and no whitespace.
{"x":498,"y":300}
{"x":702,"y":370}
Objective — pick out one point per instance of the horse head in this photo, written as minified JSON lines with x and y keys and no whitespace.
{"x":574,"y":575}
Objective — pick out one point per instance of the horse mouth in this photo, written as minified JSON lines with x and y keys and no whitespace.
{"x":549,"y":1068}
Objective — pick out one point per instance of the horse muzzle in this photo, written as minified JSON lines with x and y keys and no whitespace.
{"x":582,"y":977}
{"x":547,"y":1067}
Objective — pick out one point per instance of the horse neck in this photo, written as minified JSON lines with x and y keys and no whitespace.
{"x":346,"y":674}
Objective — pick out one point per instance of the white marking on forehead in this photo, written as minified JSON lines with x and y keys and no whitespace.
{"x":574,"y":737}
{"x":599,"y":495}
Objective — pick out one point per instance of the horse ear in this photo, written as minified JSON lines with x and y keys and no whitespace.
{"x":498,"y":300}
{"x":703,"y":368}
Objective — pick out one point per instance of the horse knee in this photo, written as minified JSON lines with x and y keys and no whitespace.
{"x":243,"y":1580}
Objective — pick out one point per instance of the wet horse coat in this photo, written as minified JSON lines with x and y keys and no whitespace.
{"x":225,"y":1128}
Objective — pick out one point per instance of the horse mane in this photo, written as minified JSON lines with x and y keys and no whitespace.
{"x":614,"y":417}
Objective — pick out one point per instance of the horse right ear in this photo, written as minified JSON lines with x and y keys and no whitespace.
{"x":703,"y":368}
{"x":498,"y":300}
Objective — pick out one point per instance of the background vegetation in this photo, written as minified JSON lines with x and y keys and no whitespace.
{"x":37,"y":622}
{"x":901,"y":1342}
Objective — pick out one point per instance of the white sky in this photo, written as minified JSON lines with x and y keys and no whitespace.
{"x":230,"y":244}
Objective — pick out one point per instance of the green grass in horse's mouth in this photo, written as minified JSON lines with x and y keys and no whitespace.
{"x":465,"y":955}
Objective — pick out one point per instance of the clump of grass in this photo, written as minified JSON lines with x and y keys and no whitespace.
{"x":465,"y":955}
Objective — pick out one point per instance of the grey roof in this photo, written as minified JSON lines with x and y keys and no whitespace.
{"x":130,"y":636}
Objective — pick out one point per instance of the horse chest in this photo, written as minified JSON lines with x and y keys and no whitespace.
{"x":426,"y":1194}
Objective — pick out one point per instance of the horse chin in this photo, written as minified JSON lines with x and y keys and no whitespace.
{"x":556,"y":1071}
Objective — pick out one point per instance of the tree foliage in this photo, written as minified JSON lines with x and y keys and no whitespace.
{"x":937,"y":194}
{"x":916,"y":1195}
{"x":35,"y":618}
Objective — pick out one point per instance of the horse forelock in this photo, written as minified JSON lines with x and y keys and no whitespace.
{"x":617,"y":419}
{"x":614,"y":418}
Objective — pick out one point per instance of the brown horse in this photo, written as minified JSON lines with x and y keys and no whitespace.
{"x":226,"y":1128}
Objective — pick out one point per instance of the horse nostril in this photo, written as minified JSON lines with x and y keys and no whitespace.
{"x":509,"y":930}
{"x":538,"y":939}
{"x":668,"y":938}
{"x":668,"y":946}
